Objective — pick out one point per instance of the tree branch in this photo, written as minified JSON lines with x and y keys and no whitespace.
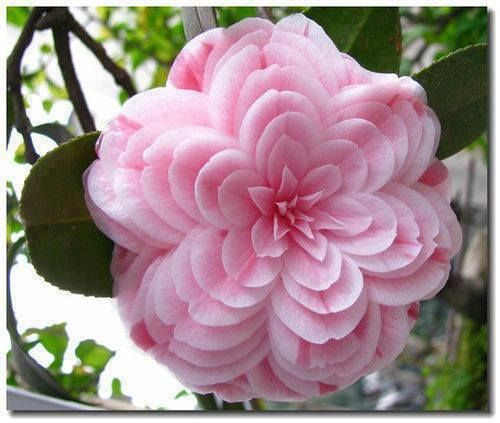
{"x":119,"y":74}
{"x":468,"y":297}
{"x":57,"y":20}
{"x":21,"y":120}
{"x":266,"y":13}
{"x":197,"y":20}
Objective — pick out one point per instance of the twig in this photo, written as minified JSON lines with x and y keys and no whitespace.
{"x":421,"y":52}
{"x":21,"y":120}
{"x":266,"y":13}
{"x":197,"y":20}
{"x":64,"y":58}
{"x":119,"y":74}
{"x":467,"y":296}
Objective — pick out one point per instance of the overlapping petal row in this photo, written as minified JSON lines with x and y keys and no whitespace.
{"x":278,"y":213}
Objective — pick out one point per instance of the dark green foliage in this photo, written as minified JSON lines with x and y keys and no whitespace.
{"x":457,"y":90}
{"x":461,"y":385}
{"x":54,"y":339}
{"x":372,"y":35}
{"x":66,"y":247}
{"x":83,"y":379}
{"x":227,"y":16}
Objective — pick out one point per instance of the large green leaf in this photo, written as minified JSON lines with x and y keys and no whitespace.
{"x":65,"y":246}
{"x":372,"y":35}
{"x":457,"y":90}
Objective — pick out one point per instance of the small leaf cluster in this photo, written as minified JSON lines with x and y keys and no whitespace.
{"x":82,"y":381}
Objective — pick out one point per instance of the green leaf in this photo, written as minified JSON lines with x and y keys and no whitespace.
{"x":47,"y":105}
{"x":65,"y":246}
{"x":116,"y":388}
{"x":54,"y":339}
{"x":19,"y":156}
{"x":372,"y":35}
{"x":93,"y":355}
{"x":54,"y":130}
{"x":36,"y":376}
{"x":457,"y":91}
{"x":17,"y":15}
{"x":181,"y":393}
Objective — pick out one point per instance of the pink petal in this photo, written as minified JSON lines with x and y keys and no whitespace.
{"x":280,"y":78}
{"x":339,"y":296}
{"x":234,"y":199}
{"x":288,"y":185}
{"x":313,"y":274}
{"x":263,"y":239}
{"x":210,"y":179}
{"x":167,"y":105}
{"x":206,"y":358}
{"x":314,"y":327}
{"x":376,"y":148}
{"x":262,"y":379}
{"x":225,"y":87}
{"x":315,"y":245}
{"x":324,"y":178}
{"x":263,"y":198}
{"x":128,"y":188}
{"x":405,"y":247}
{"x":268,"y":107}
{"x":347,"y":157}
{"x":286,"y":153}
{"x":286,"y":344}
{"x":405,"y":290}
{"x":189,"y":157}
{"x":188,"y":68}
{"x":378,"y":237}
{"x":241,"y":263}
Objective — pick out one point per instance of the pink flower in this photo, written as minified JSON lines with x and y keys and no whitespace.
{"x":278,"y":213}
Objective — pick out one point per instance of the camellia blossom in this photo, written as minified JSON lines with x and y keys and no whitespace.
{"x":278,"y":213}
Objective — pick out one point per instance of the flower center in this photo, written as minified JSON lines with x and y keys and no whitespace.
{"x":288,"y":216}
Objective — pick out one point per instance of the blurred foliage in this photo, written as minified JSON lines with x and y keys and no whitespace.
{"x":446,"y":29}
{"x":15,"y":228}
{"x":82,"y":381}
{"x":461,"y":385}
{"x":443,"y":30}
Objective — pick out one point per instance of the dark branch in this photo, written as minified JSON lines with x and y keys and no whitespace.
{"x":21,"y":120}
{"x":197,"y":20}
{"x":466,"y":296}
{"x":266,"y":13}
{"x":119,"y":74}
{"x":58,"y":22}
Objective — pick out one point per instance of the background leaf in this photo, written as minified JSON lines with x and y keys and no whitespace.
{"x":54,"y":131}
{"x":93,"y":355}
{"x":457,"y":90}
{"x":17,"y":16}
{"x":372,"y":35}
{"x":54,"y":339}
{"x":66,"y":248}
